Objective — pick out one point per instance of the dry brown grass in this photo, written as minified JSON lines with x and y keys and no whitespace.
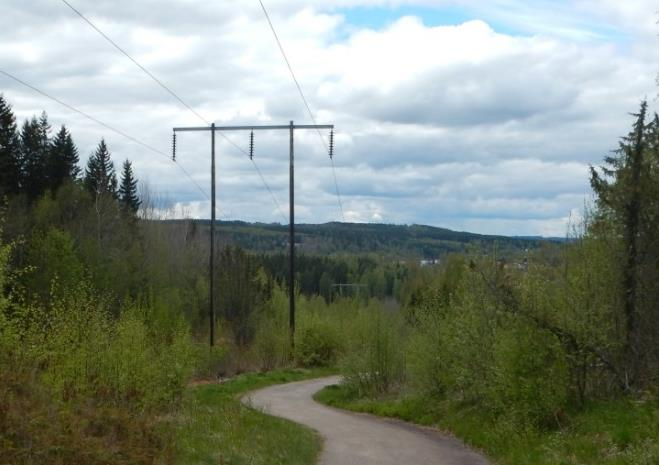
{"x":36,"y":428}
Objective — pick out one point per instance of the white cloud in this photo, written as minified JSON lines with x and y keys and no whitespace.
{"x":466,"y":126}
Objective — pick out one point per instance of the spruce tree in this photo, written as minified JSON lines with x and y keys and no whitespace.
{"x":62,"y":160}
{"x":100,"y":177}
{"x":9,"y":151}
{"x":130,"y":202}
{"x":628,"y":202}
{"x":35,"y":147}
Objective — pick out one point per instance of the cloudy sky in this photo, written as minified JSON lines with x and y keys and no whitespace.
{"x":478,"y":115}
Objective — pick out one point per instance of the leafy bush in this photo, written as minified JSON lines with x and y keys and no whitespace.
{"x":529,"y":379}
{"x":317,"y":344}
{"x":450,"y":352}
{"x":375,"y":359}
{"x":272,"y":347}
{"x":471,"y":350}
{"x":52,"y":257}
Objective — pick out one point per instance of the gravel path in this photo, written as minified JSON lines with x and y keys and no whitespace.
{"x":358,"y":439}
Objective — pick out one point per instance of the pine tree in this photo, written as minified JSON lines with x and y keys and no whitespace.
{"x":62,"y":160}
{"x":100,"y":177}
{"x":9,"y":151}
{"x":35,"y":147}
{"x":128,"y":198}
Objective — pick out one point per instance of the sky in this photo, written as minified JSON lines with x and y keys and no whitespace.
{"x":475,"y":115}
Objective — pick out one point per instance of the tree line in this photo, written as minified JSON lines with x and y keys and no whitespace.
{"x":32,"y":162}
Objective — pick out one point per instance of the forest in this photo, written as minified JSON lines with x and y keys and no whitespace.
{"x":540,"y":352}
{"x":395,"y":242}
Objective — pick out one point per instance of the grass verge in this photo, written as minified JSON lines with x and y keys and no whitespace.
{"x":215,"y":428}
{"x":620,"y":432}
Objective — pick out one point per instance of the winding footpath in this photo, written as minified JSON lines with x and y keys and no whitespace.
{"x":359,"y":439}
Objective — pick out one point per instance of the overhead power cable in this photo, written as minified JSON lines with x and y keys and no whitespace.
{"x":305,"y":101}
{"x":106,"y":126}
{"x":135,"y":62}
{"x":176,"y":96}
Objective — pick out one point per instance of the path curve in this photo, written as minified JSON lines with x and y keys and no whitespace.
{"x":358,"y":439}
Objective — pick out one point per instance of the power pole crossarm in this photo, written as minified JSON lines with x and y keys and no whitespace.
{"x":256,"y":128}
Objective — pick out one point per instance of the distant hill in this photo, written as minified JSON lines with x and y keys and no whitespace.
{"x":360,"y":238}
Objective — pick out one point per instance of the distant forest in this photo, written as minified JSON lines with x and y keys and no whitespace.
{"x":414,"y":242}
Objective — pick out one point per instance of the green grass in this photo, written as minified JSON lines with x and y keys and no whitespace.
{"x":621,"y":432}
{"x":215,"y":428}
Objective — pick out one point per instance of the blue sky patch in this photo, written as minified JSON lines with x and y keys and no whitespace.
{"x":380,"y":17}
{"x":555,"y":19}
{"x":377,"y":18}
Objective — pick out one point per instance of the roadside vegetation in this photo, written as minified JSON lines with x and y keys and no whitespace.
{"x":614,"y":432}
{"x":215,"y":427}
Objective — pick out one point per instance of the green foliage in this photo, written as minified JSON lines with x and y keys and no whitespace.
{"x":318,"y":336}
{"x":622,"y":432}
{"x":34,"y":149}
{"x":272,"y":344}
{"x":317,"y":343}
{"x":375,"y":359}
{"x":466,"y":347}
{"x":529,"y":380}
{"x":54,"y":264}
{"x":81,"y":386}
{"x":627,"y":201}
{"x":245,"y":292}
{"x":62,"y":161}
{"x":10,"y":162}
{"x":395,"y":241}
{"x":128,"y":197}
{"x":100,"y":178}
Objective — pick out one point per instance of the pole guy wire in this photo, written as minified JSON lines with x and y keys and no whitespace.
{"x":105,"y":125}
{"x":304,"y":100}
{"x":173,"y":94}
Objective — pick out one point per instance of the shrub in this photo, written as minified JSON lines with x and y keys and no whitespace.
{"x":529,"y":379}
{"x":272,"y":347}
{"x":83,"y":387}
{"x":317,"y":344}
{"x":375,"y":359}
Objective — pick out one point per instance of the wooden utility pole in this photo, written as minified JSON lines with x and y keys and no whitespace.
{"x":211,"y":265}
{"x":291,"y":237}
{"x":291,"y":127}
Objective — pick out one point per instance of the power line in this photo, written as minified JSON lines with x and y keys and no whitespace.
{"x":173,"y":94}
{"x":269,"y":190}
{"x":105,"y":125}
{"x":336,"y":186}
{"x":148,"y":73}
{"x":304,"y":100}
